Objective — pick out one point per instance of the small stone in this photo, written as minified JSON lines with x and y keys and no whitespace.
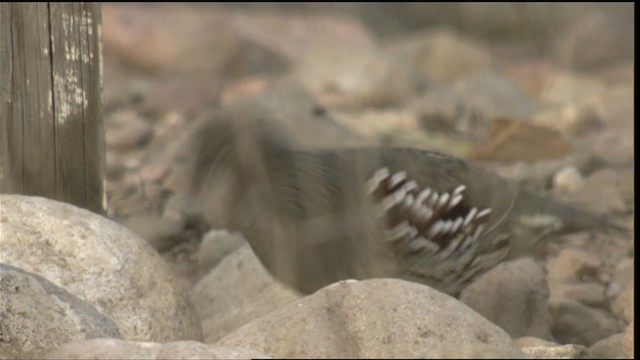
{"x":591,"y":294}
{"x":580,"y":119}
{"x":183,"y":207}
{"x":572,"y":264}
{"x":565,"y":89}
{"x":530,"y":341}
{"x":568,"y":180}
{"x":557,"y":352}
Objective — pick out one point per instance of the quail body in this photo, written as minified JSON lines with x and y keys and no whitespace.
{"x":317,"y":216}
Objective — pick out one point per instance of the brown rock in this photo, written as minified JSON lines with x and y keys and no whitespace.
{"x":531,"y":75}
{"x":568,"y":89}
{"x":513,"y":141}
{"x":572,"y":264}
{"x":168,"y":37}
{"x":186,"y":95}
{"x":325,"y":52}
{"x":301,"y":36}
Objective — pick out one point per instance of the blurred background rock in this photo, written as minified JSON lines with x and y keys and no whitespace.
{"x":540,"y":92}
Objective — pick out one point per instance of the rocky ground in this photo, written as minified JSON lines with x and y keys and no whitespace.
{"x":540,"y":93}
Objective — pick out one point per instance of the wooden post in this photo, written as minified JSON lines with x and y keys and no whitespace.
{"x":52,"y":125}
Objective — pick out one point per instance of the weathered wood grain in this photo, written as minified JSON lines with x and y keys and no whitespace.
{"x":52,"y":129}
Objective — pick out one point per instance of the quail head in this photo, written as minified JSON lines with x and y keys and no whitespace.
{"x":317,"y":216}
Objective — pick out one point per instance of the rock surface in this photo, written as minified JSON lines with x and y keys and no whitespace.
{"x":575,"y":323}
{"x":38,"y":316}
{"x":216,"y":245}
{"x":513,"y":296}
{"x":616,"y":346}
{"x":121,"y":349}
{"x":557,"y":352}
{"x":238,"y":290}
{"x":375,"y":318}
{"x":101,"y":263}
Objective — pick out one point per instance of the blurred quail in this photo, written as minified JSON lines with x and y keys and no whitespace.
{"x":316,"y":216}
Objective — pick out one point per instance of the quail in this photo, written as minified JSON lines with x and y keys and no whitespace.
{"x":317,"y":216}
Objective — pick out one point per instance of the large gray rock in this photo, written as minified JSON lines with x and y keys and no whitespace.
{"x":235,"y":292}
{"x":38,"y":316}
{"x":375,"y":318}
{"x":513,"y":296}
{"x":100,"y":262}
{"x":121,"y":349}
